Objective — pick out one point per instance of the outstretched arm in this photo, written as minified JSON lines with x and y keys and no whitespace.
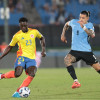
{"x":89,"y":32}
{"x":65,"y":28}
{"x":6,"y":51}
{"x":42,"y":42}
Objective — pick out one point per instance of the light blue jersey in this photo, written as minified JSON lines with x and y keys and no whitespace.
{"x":79,"y":36}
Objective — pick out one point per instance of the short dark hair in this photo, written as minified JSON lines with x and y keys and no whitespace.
{"x":23,"y":19}
{"x":87,"y":13}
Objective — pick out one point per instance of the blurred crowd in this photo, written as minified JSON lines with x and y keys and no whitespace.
{"x":14,"y":5}
{"x":58,"y":11}
{"x":53,"y":11}
{"x":3,"y":45}
{"x":88,"y":2}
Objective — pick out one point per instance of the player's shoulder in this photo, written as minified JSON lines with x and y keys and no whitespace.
{"x":75,"y":20}
{"x":89,"y":23}
{"x":34,"y":31}
{"x":31,"y":29}
{"x":17,"y":33}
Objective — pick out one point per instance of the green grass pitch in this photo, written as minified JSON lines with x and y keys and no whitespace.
{"x":54,"y":84}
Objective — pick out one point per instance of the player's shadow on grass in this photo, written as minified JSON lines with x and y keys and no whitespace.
{"x":85,"y":92}
{"x":56,"y":96}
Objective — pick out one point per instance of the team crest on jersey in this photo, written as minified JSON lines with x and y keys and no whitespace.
{"x":32,"y":36}
{"x":19,"y":63}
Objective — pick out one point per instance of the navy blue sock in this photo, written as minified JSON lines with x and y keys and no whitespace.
{"x":71,"y":71}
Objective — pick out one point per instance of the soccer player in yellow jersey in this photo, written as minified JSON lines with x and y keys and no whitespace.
{"x":25,"y":38}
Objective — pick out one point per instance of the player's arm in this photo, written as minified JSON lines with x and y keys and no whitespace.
{"x":65,"y":28}
{"x":6,"y":51}
{"x":10,"y":46}
{"x":90,"y":32}
{"x":42,"y":42}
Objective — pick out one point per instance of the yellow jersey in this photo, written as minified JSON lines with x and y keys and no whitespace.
{"x":26,"y":42}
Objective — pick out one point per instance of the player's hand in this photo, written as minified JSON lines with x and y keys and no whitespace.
{"x":43,"y":54}
{"x":63,"y":39}
{"x":81,"y":23}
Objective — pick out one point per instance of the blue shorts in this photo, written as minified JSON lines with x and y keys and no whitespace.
{"x":24,"y":62}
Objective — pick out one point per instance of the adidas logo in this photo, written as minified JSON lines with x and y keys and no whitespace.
{"x":22,"y":38}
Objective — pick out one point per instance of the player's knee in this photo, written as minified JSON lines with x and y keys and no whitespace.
{"x":32,"y":71}
{"x":67,"y":61}
{"x":31,"y":74}
{"x":18,"y":71}
{"x":17,"y":74}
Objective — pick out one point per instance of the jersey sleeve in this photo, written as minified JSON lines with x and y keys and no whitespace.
{"x":13,"y":41}
{"x":39,"y":35}
{"x":71,"y":22}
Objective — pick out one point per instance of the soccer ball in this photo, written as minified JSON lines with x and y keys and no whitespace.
{"x":24,"y":92}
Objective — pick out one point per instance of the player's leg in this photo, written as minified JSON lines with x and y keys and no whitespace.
{"x":10,"y":74}
{"x":25,"y":83}
{"x":96,"y":67}
{"x":19,"y":66}
{"x":69,"y":59}
{"x":68,"y":62}
{"x":90,"y":59}
{"x":13,"y":74}
{"x":31,"y":74}
{"x":30,"y":71}
{"x":18,"y":72}
{"x":18,"y":69}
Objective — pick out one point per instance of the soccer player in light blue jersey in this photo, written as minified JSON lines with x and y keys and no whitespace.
{"x":82,"y":30}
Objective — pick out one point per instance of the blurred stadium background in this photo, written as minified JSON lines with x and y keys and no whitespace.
{"x":49,"y":17}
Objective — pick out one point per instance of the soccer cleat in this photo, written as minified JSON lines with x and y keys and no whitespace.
{"x":16,"y":95}
{"x":0,"y":75}
{"x":76,"y":85}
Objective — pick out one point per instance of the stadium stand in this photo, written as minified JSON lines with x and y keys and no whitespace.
{"x":71,"y":8}
{"x":51,"y":11}
{"x":15,"y":11}
{"x":20,"y":8}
